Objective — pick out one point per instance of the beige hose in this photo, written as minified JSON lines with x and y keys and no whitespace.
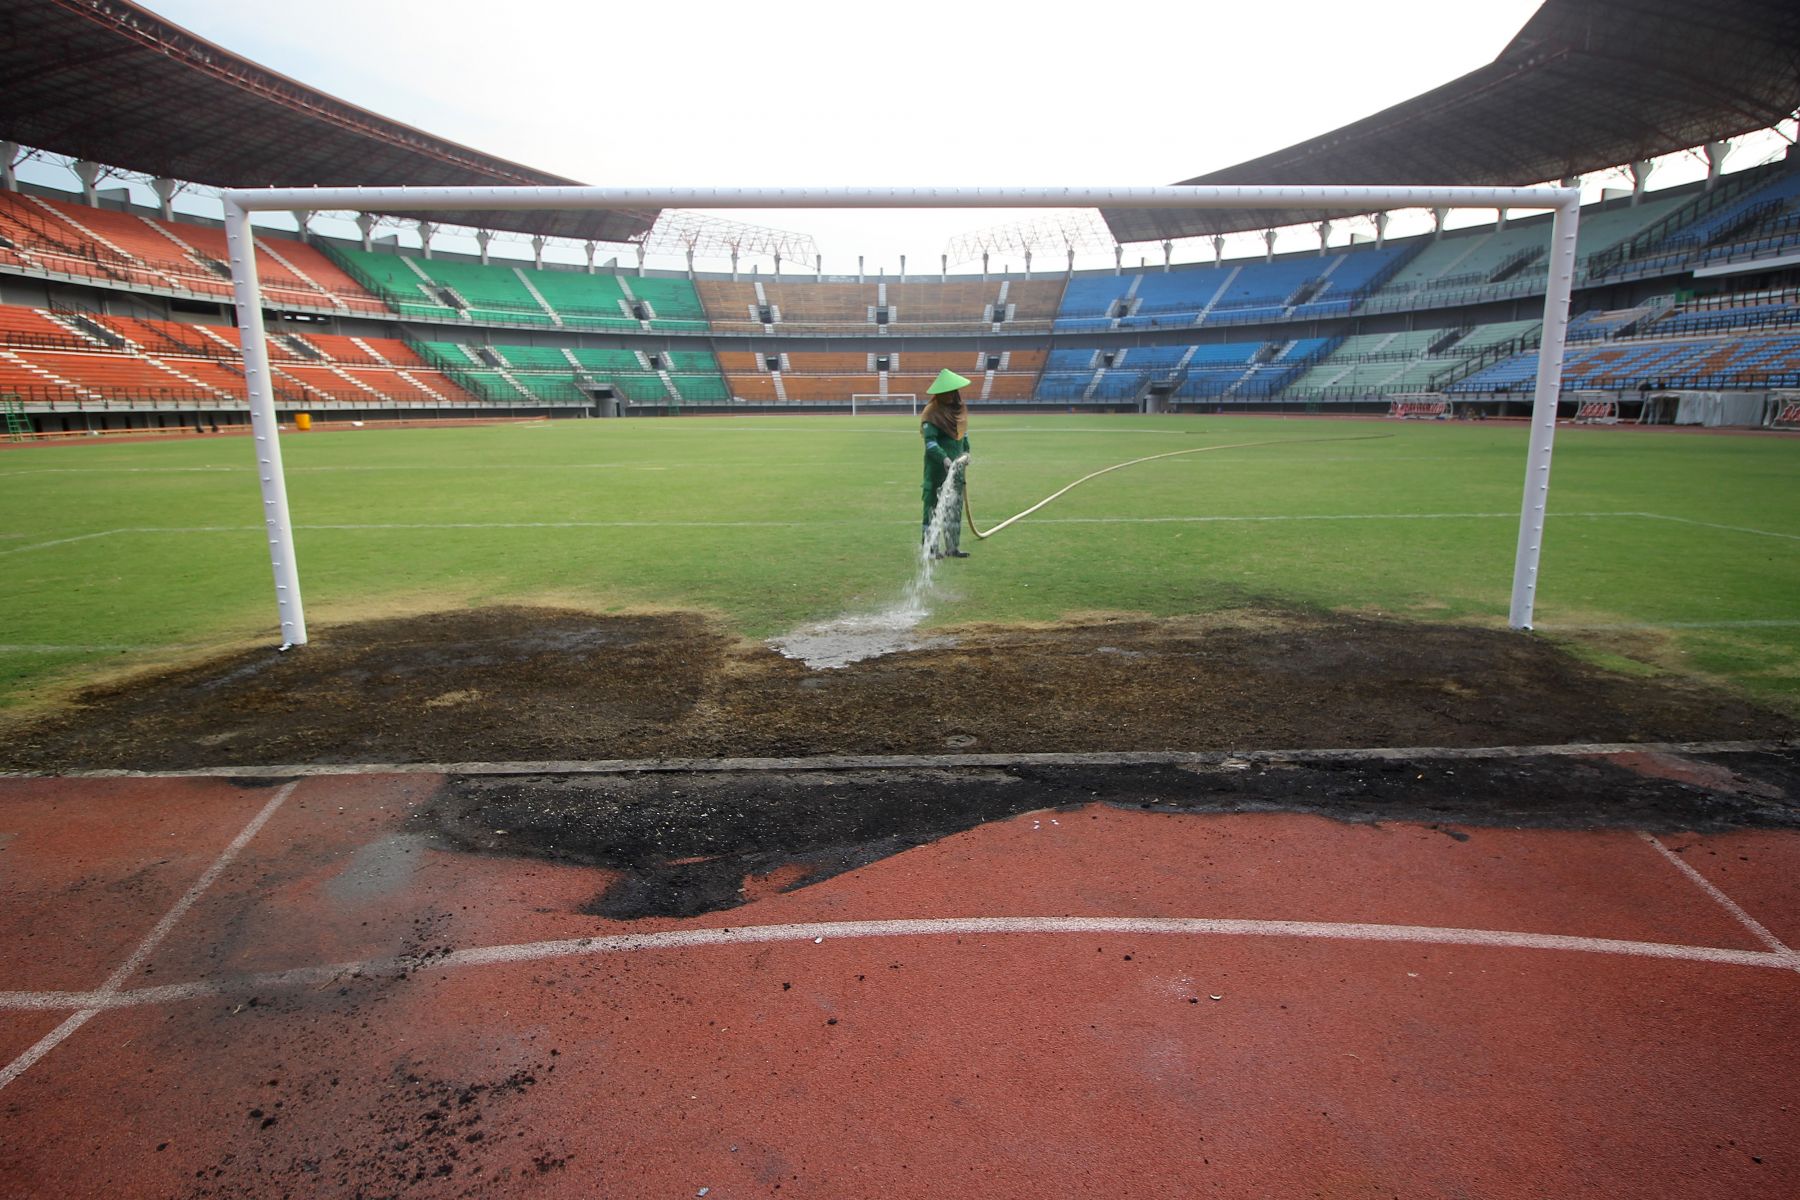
{"x":969,"y":513}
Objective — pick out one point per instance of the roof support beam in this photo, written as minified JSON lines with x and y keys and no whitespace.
{"x":1715,"y":161}
{"x":89,"y":175}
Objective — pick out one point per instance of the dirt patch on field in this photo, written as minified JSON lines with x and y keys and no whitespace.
{"x":540,"y":684}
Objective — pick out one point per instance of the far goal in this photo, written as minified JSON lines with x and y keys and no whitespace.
{"x":1788,"y":415}
{"x":1597,"y":412}
{"x":1419,"y":406}
{"x":888,"y":403}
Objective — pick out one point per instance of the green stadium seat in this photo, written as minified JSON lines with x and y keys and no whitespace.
{"x":693,"y":361}
{"x":610,"y":360}
{"x":559,"y":389}
{"x":493,"y":292}
{"x":536,"y":358}
{"x":674,"y":302}
{"x":702,"y":389}
{"x":585,"y":301}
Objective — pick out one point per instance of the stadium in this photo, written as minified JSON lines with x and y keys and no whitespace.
{"x":1231,"y":785}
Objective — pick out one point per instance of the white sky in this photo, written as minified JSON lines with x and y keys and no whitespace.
{"x":917,"y":92}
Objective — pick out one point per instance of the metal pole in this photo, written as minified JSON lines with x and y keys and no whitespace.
{"x":259,"y":383}
{"x":1533,"y":508}
{"x":515,"y":199}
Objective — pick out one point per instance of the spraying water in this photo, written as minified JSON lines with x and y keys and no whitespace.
{"x":838,"y":643}
{"x":853,"y":638}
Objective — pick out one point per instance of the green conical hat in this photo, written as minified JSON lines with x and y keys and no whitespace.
{"x":947,"y":381}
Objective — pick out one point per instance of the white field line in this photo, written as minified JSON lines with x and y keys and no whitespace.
{"x":1175,"y":520}
{"x":102,"y":999}
{"x":1209,"y":520}
{"x":1756,"y":928}
{"x":884,"y":762}
{"x":1331,"y":458}
{"x":80,"y":537}
{"x":459,"y":470}
{"x":319,"y":976}
{"x":1168,"y":434}
{"x":107,"y":470}
{"x":464,"y":468}
{"x":1792,"y":537}
{"x":1768,"y":623}
{"x":428,"y":525}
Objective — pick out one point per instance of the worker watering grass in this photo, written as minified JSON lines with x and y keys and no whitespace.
{"x":945,"y":427}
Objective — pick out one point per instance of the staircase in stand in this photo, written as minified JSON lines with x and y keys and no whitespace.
{"x":555,"y":317}
{"x":16,"y":423}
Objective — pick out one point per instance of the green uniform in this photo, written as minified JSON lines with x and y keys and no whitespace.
{"x":940,"y":448}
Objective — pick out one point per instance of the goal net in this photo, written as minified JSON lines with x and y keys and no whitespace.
{"x":1787,"y":411}
{"x":1419,"y":406}
{"x":1596,"y":410}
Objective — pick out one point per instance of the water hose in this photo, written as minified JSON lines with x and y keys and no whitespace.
{"x":970,"y":515}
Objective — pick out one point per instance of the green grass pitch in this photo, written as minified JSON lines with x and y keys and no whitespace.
{"x":1670,"y":551}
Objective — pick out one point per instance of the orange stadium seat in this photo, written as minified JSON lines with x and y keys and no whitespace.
{"x":69,"y":238}
{"x":396,"y":352}
{"x":758,"y":388}
{"x":740,"y":362}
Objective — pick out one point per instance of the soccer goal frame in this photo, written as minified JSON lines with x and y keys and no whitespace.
{"x":860,"y":400}
{"x":278,"y":524}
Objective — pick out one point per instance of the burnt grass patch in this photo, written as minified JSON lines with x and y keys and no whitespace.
{"x":686,"y":844}
{"x":521,"y":684}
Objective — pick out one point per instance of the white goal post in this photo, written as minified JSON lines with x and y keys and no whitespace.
{"x":861,"y":399}
{"x":241,"y":202}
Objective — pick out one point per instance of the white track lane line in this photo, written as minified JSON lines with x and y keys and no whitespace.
{"x":1756,"y":928}
{"x":98,"y":1001}
{"x":320,"y":976}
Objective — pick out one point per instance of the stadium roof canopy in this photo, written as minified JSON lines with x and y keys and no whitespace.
{"x":1585,"y":86}
{"x":106,"y":81}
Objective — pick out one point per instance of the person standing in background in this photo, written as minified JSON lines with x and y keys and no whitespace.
{"x":945,"y":426}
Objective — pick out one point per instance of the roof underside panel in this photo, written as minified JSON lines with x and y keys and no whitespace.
{"x":1587,"y":85}
{"x":107,"y":81}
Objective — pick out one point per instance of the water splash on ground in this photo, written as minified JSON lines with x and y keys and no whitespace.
{"x":828,"y":645}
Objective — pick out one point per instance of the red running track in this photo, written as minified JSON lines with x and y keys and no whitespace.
{"x":337,"y":1008}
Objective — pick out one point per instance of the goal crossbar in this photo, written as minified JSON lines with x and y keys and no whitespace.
{"x":258,"y":379}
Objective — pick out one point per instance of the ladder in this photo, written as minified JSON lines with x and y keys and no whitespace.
{"x":12,"y":414}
